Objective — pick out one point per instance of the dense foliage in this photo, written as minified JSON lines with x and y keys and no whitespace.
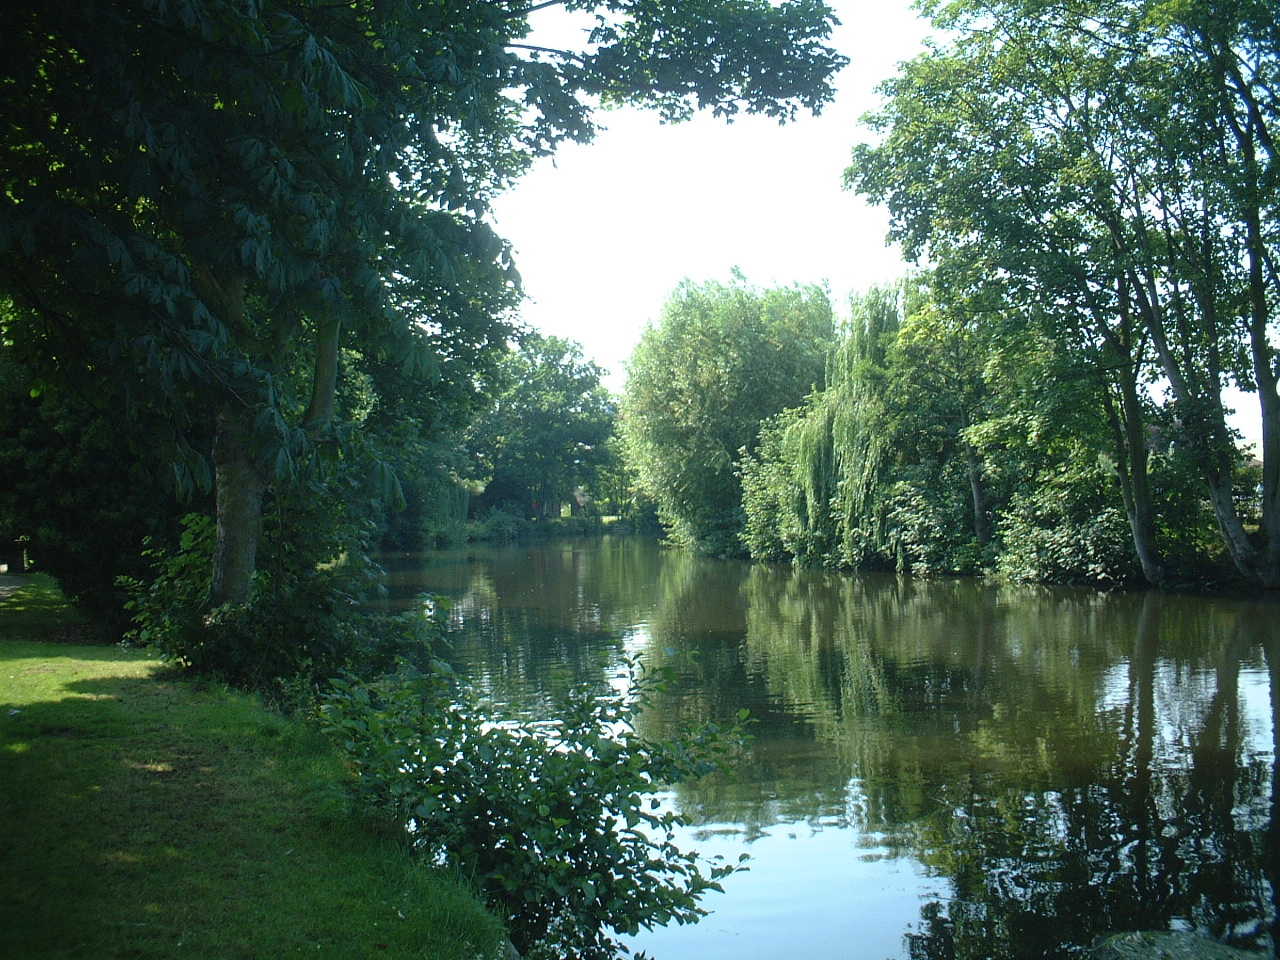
{"x":1101,"y":176}
{"x":216,"y":215}
{"x":557,"y":821}
{"x":543,"y":441}
{"x":306,"y":624}
{"x":722,"y":359}
{"x":72,"y":489}
{"x":947,"y":441}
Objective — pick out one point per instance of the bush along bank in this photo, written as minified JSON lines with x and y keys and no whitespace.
{"x":178,"y":817}
{"x":556,"y":820}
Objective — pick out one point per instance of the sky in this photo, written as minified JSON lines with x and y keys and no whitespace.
{"x":604,"y":232}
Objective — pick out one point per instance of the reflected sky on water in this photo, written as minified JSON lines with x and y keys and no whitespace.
{"x":939,"y":770}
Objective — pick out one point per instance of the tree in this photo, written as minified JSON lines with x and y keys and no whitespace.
{"x":813,"y":484}
{"x":79,"y":498}
{"x":544,"y":437}
{"x":205,"y":201}
{"x":936,"y":394}
{"x":723,"y":359}
{"x":1106,"y":165}
{"x":879,"y":468}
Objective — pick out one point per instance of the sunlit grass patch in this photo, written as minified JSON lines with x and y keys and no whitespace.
{"x":144,"y":816}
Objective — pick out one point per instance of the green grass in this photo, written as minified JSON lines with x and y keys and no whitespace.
{"x":39,"y":611}
{"x":145,"y":816}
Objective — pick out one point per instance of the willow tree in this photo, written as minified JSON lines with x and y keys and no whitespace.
{"x":861,"y":440}
{"x":814,"y":485}
{"x":203,"y":203}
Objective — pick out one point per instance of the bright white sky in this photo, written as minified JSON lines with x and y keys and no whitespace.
{"x":604,"y":232}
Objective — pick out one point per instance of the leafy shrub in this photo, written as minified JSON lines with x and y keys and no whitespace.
{"x":1068,"y":531}
{"x":167,"y":611}
{"x":303,"y":622}
{"x":497,"y":524}
{"x":556,"y":821}
{"x":918,"y":530}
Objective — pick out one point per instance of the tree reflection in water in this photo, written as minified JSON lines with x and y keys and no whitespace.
{"x":1065,"y":763}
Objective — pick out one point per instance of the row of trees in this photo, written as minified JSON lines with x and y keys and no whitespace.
{"x":544,"y":440}
{"x":912,"y":436}
{"x":1093,"y":187}
{"x":941,"y":446}
{"x":722,"y":358}
{"x":268,"y":268}
{"x":1104,"y":176}
{"x":245,"y":248}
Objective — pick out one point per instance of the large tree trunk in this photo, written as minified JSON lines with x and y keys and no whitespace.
{"x":1249,"y":123}
{"x":242,"y":475}
{"x":324,"y":382}
{"x":1212,"y":444}
{"x":240,"y":479}
{"x":1132,"y":463}
{"x":1129,"y":439}
{"x":1264,"y":373}
{"x":1198,"y":397}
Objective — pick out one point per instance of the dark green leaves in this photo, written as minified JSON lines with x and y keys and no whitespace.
{"x":557,"y":821}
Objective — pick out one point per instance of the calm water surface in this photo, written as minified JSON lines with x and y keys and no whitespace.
{"x":939,"y":770}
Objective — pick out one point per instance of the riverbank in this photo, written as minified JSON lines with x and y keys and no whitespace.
{"x":145,"y":816}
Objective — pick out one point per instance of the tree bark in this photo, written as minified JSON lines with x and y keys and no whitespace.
{"x":1129,"y":432}
{"x":1268,"y":399}
{"x":324,"y":382}
{"x":240,"y":479}
{"x":1132,"y":463}
{"x":981,"y":529}
{"x":1205,"y":432}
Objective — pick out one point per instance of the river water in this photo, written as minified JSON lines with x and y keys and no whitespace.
{"x":938,"y":769}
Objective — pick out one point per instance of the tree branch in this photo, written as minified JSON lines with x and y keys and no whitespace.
{"x":542,"y":6}
{"x":567,"y":54}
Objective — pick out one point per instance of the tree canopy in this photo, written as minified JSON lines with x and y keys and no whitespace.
{"x":211,"y":210}
{"x":701,"y":382}
{"x":1108,"y":168}
{"x":544,"y":438}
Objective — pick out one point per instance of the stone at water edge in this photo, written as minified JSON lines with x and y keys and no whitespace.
{"x":1161,"y":945}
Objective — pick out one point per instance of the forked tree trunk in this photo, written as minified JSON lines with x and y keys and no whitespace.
{"x":1132,"y":464}
{"x":1129,"y":441}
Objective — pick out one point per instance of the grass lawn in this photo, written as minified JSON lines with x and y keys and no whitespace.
{"x":145,"y":816}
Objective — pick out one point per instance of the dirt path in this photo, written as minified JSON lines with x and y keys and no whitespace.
{"x":10,"y":585}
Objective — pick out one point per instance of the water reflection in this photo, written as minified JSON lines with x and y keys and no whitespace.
{"x":940,"y":769}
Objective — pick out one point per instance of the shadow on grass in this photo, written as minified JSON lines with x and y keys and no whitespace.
{"x":38,"y":610}
{"x":141,"y":816}
{"x":12,"y":649}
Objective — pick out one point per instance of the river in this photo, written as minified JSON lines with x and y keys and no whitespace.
{"x":938,"y":769}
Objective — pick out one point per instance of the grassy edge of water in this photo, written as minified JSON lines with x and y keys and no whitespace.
{"x":142,"y":815}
